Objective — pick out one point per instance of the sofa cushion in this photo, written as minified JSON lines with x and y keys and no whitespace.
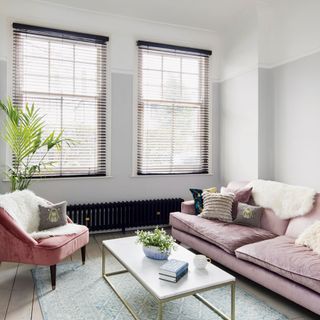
{"x":269,"y":221}
{"x":272,"y":223}
{"x":52,"y":243}
{"x":53,"y":215}
{"x":217,"y":206}
{"x":283,"y":257}
{"x":226,"y":236}
{"x":248,"y":215}
{"x":240,"y":195}
{"x":197,"y":197}
{"x":297,"y":225}
{"x":188,"y":207}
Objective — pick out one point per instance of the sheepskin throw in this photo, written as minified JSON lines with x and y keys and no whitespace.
{"x":285,"y":200}
{"x":217,"y":206}
{"x":310,"y":237}
{"x":69,"y":228}
{"x":23,"y":207}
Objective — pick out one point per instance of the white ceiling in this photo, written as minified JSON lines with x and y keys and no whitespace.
{"x":214,"y":15}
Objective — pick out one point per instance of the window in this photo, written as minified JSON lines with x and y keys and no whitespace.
{"x":173,"y":109}
{"x":64,"y":74}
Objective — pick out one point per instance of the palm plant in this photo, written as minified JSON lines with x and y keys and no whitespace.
{"x":24,"y":134}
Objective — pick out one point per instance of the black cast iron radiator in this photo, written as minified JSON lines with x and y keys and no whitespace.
{"x":122,"y":215}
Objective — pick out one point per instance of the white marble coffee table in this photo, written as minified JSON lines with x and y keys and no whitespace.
{"x":145,"y":270}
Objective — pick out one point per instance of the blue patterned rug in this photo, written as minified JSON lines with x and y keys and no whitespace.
{"x":82,"y":293}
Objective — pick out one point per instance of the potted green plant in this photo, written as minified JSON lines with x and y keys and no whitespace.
{"x":24,"y":134}
{"x":156,"y":244}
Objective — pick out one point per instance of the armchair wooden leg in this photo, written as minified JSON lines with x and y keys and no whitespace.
{"x":83,"y":254}
{"x":53,"y":272}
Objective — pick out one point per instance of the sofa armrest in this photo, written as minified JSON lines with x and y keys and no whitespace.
{"x":188,"y":207}
{"x":12,"y":227}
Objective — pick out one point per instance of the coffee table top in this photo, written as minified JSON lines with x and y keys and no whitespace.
{"x":146,"y":270}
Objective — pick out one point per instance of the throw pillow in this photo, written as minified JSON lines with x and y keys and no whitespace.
{"x":217,"y":206}
{"x":310,"y":237}
{"x":197,"y":197}
{"x":248,"y":215}
{"x":240,"y":195}
{"x":52,"y":216}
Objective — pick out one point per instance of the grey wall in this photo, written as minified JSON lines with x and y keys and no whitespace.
{"x":297,"y":121}
{"x":122,"y":186}
{"x":266,"y":125}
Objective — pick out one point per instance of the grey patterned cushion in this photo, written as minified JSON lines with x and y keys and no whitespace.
{"x":217,"y":206}
{"x":248,"y":215}
{"x":52,"y":216}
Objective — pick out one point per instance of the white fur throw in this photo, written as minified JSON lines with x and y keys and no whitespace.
{"x":310,"y":237}
{"x":23,"y":207}
{"x":69,"y":228}
{"x":285,"y":200}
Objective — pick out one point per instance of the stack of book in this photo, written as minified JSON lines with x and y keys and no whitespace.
{"x":173,"y":270}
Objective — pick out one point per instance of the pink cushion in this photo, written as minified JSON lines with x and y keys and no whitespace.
{"x":188,"y":207}
{"x":270,"y":222}
{"x":234,"y":185}
{"x":226,"y":236}
{"x":297,"y":225}
{"x":54,"y":249}
{"x":283,"y":257}
{"x":242,"y":194}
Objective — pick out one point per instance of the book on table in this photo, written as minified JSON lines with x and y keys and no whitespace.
{"x":173,"y":278}
{"x":173,"y":268}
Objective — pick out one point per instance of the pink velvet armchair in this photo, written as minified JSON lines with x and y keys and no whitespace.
{"x":17,"y":246}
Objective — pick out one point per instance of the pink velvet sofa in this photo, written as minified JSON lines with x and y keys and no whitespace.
{"x":266,"y":255}
{"x":17,"y":246}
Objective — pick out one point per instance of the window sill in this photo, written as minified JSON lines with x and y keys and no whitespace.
{"x":65,"y":178}
{"x":172,"y":175}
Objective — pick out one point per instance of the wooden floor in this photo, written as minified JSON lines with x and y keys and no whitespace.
{"x":18,"y":299}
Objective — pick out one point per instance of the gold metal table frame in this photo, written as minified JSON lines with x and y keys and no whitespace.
{"x":161,"y":302}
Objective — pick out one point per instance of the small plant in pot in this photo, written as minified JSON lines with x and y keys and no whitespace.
{"x":156,"y":244}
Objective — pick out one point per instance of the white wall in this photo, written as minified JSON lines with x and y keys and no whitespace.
{"x":289,"y":96}
{"x":239,"y":46}
{"x":239,"y":108}
{"x":123,"y":33}
{"x":288,"y":30}
{"x":239,"y":128}
{"x":297,"y":114}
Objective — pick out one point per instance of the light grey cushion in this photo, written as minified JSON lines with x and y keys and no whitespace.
{"x":52,"y":216}
{"x":217,"y":206}
{"x":248,"y":215}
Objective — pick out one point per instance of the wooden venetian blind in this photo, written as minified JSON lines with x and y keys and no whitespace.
{"x":173,"y":109}
{"x":64,"y":74}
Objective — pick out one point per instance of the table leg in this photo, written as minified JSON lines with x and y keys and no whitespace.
{"x":233,"y":301}
{"x":160,"y":311}
{"x":103,"y":260}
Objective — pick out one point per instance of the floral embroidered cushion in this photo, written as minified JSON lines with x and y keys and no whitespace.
{"x":248,"y":215}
